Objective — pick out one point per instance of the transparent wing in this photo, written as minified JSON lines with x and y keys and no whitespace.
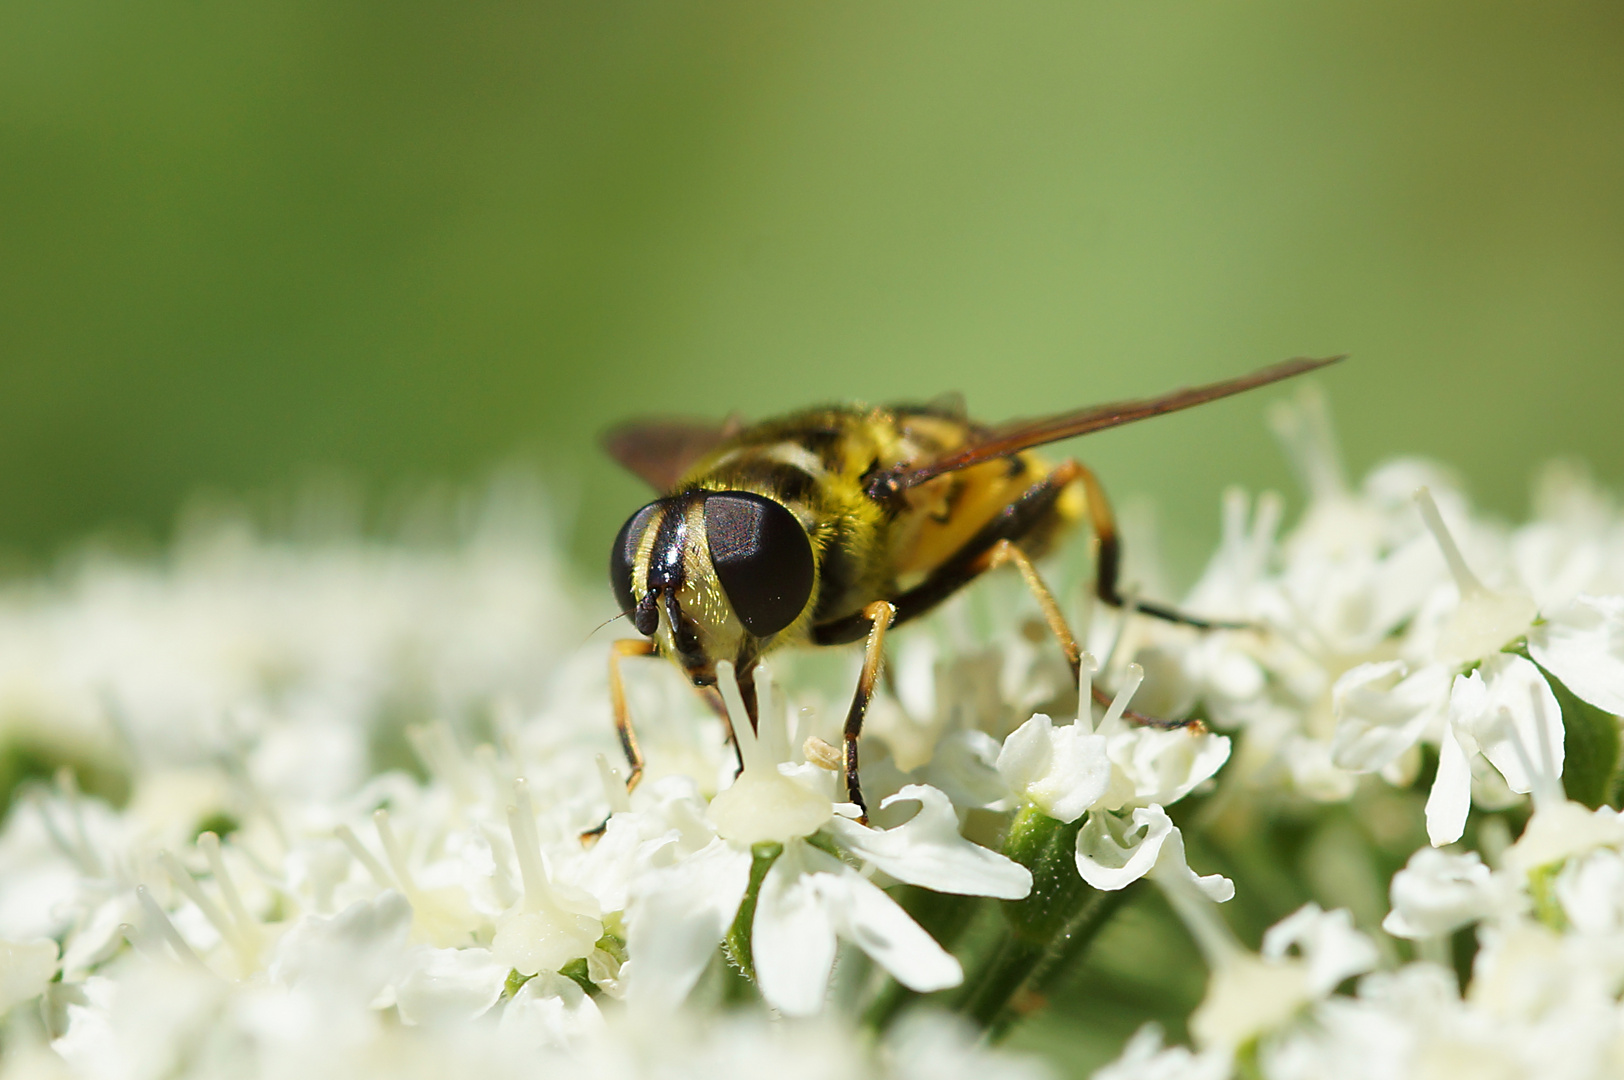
{"x":660,"y":450}
{"x":1018,"y":435}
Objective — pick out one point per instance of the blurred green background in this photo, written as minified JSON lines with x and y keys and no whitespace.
{"x":243,"y":242}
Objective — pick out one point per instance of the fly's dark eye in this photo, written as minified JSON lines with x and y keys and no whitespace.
{"x":623,"y":556}
{"x":762,"y":556}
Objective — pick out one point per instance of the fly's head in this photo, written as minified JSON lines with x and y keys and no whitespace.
{"x":713,"y":575}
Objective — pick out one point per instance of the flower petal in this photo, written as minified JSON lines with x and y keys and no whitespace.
{"x":1330,"y":946}
{"x":676,"y":916}
{"x":1583,"y":645}
{"x":1451,"y":797}
{"x":1112,"y":855}
{"x":1060,"y":770}
{"x":449,"y":985}
{"x":793,"y":935}
{"x":1160,"y":767}
{"x":26,"y":968}
{"x":872,"y":921}
{"x":1512,"y":686}
{"x":927,"y":850}
{"x":1382,"y":709}
{"x":550,"y":1011}
{"x":1438,"y":892}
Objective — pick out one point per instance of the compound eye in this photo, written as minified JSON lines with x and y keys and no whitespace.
{"x":762,"y":557}
{"x":623,"y":556}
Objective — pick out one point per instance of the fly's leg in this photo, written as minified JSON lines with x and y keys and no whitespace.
{"x":617,"y":703}
{"x":1004,"y":552}
{"x":1108,"y":558}
{"x":1007,"y":552}
{"x":618,"y":651}
{"x":880,"y":615}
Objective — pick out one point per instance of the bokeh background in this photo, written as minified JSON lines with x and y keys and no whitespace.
{"x":243,"y":245}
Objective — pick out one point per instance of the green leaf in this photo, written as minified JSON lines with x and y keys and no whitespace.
{"x":1590,"y":748}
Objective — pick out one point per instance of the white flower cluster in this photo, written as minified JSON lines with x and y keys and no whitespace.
{"x":318,"y":808}
{"x":1392,"y":619}
{"x":247,"y":879}
{"x":1543,"y":1000}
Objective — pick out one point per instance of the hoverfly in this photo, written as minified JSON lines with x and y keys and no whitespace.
{"x":834,"y":524}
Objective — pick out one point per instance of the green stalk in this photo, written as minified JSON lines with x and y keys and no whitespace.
{"x":1047,"y":931}
{"x":737,"y":942}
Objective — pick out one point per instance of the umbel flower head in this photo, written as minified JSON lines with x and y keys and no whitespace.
{"x":315,"y":808}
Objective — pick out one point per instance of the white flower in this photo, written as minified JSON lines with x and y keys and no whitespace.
{"x":1326,"y":941}
{"x":680,"y":908}
{"x":1112,"y":853}
{"x":808,"y":899}
{"x":1061,"y":770}
{"x":1504,"y":710}
{"x":552,"y":923}
{"x":1145,"y":1058}
{"x":771,"y":801}
{"x":1249,"y":995}
{"x":445,"y":986}
{"x":350,"y":956}
{"x":1383,"y":709}
{"x":1154,"y":767}
{"x":1582,"y":644}
{"x":1590,"y":888}
{"x":1437,"y":893}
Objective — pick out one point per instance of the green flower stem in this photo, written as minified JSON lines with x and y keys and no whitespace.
{"x":1047,"y":930}
{"x":737,"y":941}
{"x":1048,"y":848}
{"x":1067,"y":949}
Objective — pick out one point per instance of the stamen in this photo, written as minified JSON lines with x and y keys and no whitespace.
{"x":437,"y":749}
{"x":1087,"y":668}
{"x":1237,"y":509}
{"x":527,"y":846}
{"x":211,"y":911}
{"x":750,"y":750}
{"x":347,"y":837}
{"x":248,"y":926}
{"x":1484,"y":620}
{"x":138,"y":941}
{"x":156,"y":916}
{"x":1270,"y":510}
{"x":54,"y":831}
{"x":614,"y":786}
{"x":393,"y":851}
{"x":1132,"y":676}
{"x":1465,"y":580}
{"x":1303,"y":427}
{"x":774,"y":733}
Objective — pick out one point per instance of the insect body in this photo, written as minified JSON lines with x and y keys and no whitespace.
{"x":832,"y":524}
